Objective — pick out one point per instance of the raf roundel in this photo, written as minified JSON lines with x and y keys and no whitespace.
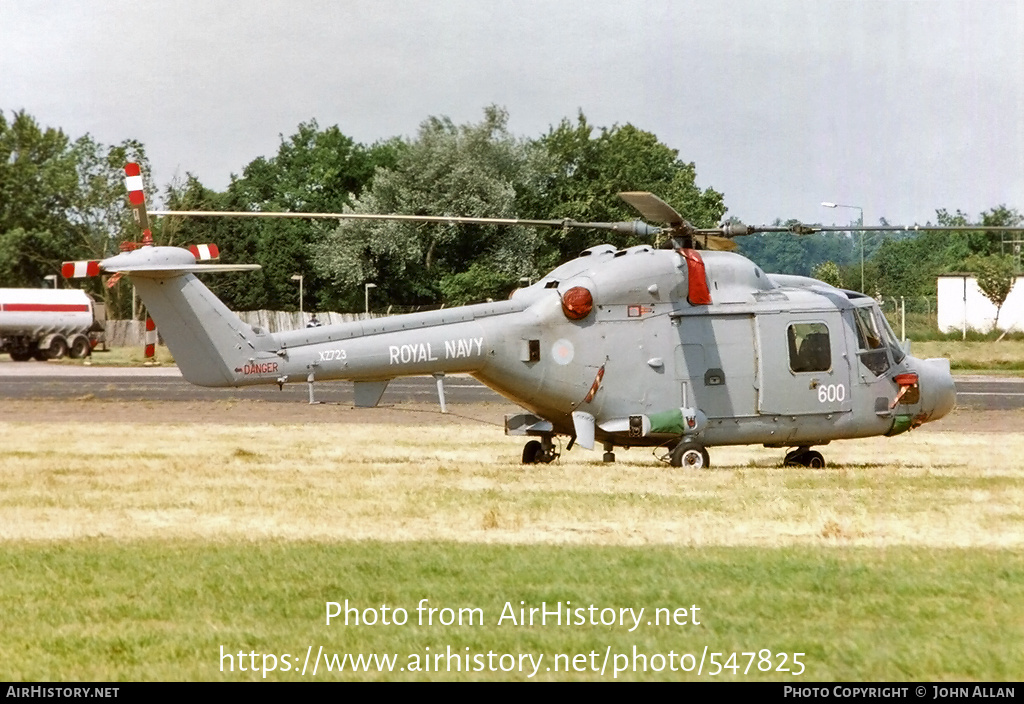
{"x":562,"y":352}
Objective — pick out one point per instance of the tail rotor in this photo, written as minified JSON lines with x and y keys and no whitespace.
{"x":135,"y":186}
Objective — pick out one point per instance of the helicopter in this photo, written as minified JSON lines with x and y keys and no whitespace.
{"x":682,"y":348}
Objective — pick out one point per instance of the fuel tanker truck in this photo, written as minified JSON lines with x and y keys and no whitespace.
{"x":48,"y":323}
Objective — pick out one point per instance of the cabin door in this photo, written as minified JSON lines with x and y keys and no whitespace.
{"x":806,"y":369}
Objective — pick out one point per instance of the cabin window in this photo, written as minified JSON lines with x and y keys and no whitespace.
{"x":870,"y":342}
{"x":809,"y":347}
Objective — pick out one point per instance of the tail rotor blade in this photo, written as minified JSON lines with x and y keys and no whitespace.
{"x":80,"y":269}
{"x":137,"y":198}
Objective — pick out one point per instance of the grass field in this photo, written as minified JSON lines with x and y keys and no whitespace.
{"x":163,"y":610}
{"x":136,"y":552}
{"x":975,"y":356}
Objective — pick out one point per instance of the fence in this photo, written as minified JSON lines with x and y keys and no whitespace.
{"x":913,"y":316}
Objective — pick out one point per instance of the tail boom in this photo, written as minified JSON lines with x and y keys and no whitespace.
{"x":214,"y":347}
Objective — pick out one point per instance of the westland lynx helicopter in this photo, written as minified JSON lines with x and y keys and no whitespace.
{"x":683,"y":348}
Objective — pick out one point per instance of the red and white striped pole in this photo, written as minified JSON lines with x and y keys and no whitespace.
{"x":151,"y":338}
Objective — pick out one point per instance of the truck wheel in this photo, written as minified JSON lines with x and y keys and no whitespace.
{"x":80,"y":347}
{"x":21,"y":355}
{"x":58,"y":348}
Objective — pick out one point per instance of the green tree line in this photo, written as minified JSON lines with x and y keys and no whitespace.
{"x":64,"y":199}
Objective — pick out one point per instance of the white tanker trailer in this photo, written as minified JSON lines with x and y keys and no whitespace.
{"x":48,"y":323}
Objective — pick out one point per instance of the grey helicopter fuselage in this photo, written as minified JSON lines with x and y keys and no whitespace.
{"x":651,"y":357}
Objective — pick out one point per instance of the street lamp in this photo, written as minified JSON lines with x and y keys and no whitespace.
{"x":298,"y":277}
{"x":366,"y":295}
{"x":860,"y":223}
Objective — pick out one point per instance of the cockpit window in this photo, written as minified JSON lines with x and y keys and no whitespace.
{"x":809,"y":347}
{"x":890,"y":338}
{"x":870,"y":341}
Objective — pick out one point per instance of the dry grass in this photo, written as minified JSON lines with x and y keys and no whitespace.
{"x":344,"y":482}
{"x":971,"y":354}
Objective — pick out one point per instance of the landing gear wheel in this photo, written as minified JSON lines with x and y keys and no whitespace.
{"x":690,"y":455}
{"x":804,"y":457}
{"x":540,"y":452}
{"x":814,"y":460}
{"x":532,"y":452}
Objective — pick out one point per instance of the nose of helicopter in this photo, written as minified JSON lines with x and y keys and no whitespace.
{"x":938,"y":393}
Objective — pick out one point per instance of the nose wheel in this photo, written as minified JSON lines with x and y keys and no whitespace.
{"x":540,"y":451}
{"x":804,"y":457}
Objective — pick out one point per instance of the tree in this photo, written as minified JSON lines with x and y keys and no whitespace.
{"x":828,"y":272}
{"x":786,"y":253}
{"x":98,"y":212}
{"x":907,"y":265}
{"x":61,"y":201}
{"x":314,"y":170}
{"x":969,"y":242}
{"x":475,"y":170}
{"x":589,"y":167}
{"x":37,"y":182}
{"x":995,"y":277}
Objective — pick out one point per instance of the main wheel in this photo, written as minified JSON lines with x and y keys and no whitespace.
{"x":804,"y":457}
{"x":690,"y":455}
{"x":794,"y":458}
{"x":532,"y":452}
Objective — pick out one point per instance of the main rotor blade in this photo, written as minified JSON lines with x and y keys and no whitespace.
{"x":441,"y":219}
{"x":652,"y":207}
{"x":718,"y":237}
{"x":633,"y":227}
{"x":801,"y":229}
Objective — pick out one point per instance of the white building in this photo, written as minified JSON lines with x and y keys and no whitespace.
{"x":962,"y":305}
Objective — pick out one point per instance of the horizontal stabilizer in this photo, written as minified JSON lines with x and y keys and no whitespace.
{"x":153,"y":261}
{"x":190,"y":268}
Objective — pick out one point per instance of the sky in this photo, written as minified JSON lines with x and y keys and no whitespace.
{"x":899,"y":107}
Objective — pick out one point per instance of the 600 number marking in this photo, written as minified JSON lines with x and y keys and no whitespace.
{"x":831,"y":393}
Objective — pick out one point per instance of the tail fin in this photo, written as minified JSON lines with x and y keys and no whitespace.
{"x":208,"y":341}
